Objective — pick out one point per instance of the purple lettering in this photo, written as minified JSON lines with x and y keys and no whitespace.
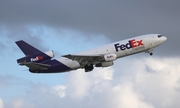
{"x":117,"y":46}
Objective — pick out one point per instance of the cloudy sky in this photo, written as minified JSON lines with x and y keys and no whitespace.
{"x":68,"y":26}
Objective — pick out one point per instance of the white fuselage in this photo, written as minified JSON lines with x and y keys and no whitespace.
{"x":144,"y":43}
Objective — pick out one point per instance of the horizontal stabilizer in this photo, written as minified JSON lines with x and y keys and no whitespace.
{"x":34,"y":66}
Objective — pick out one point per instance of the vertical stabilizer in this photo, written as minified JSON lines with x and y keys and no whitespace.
{"x":27,"y":49}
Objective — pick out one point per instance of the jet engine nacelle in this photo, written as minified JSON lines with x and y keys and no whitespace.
{"x":50,"y":53}
{"x":110,"y":57}
{"x":104,"y":64}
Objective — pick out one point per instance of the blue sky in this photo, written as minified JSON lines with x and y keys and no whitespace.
{"x":50,"y":41}
{"x":72,"y":26}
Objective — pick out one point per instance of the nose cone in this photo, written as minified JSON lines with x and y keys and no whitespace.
{"x":164,"y":38}
{"x":161,"y":39}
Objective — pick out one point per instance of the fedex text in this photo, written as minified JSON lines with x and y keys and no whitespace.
{"x":36,"y":59}
{"x":131,"y":44}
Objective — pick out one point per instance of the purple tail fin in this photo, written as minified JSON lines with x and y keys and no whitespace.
{"x":27,"y":49}
{"x":32,"y":54}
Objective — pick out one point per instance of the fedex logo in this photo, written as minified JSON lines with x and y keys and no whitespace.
{"x":110,"y":56}
{"x":131,"y":44}
{"x":36,"y":59}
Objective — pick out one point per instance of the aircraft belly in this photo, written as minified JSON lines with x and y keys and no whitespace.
{"x":59,"y":68}
{"x":56,"y":67}
{"x":74,"y":65}
{"x":69,"y":63}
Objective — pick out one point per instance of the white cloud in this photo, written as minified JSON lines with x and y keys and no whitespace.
{"x":1,"y":103}
{"x":143,"y":83}
{"x":60,"y":90}
{"x":78,"y":84}
{"x":156,"y":79}
{"x":100,"y":74}
{"x":126,"y":97}
{"x":160,"y":86}
{"x":18,"y":103}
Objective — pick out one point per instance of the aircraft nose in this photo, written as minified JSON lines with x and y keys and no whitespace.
{"x":161,"y":39}
{"x":164,"y":38}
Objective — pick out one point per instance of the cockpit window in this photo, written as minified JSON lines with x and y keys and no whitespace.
{"x":160,"y":36}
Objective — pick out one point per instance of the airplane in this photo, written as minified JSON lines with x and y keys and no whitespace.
{"x":103,"y":56}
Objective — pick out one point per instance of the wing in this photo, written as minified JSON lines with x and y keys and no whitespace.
{"x":85,"y":59}
{"x":35,"y":66}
